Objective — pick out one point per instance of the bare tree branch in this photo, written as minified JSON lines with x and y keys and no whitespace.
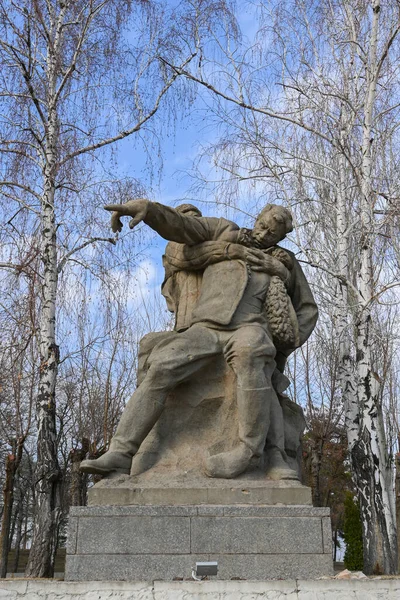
{"x":92,"y":240}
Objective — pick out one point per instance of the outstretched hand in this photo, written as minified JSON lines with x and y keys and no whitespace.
{"x":137,"y":209}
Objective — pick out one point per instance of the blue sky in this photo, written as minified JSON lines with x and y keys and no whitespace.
{"x":172,"y":184}
{"x":180,"y":143}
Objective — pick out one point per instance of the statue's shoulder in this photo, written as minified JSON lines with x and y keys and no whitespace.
{"x":221,"y":227}
{"x":220,"y":221}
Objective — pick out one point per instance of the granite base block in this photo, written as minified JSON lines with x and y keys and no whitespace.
{"x":170,"y":567}
{"x":192,"y":491}
{"x":164,"y":542}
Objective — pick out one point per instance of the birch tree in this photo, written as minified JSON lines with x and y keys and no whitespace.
{"x":76,"y":77}
{"x":310,"y":115}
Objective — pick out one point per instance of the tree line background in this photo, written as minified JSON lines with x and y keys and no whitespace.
{"x":304,"y":108}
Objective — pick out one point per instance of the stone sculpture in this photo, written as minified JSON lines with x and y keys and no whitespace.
{"x":237,"y":295}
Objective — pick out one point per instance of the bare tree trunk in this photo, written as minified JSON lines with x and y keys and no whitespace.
{"x":346,"y":371}
{"x":316,"y":463}
{"x":369,"y":457}
{"x":13,"y":525}
{"x":18,"y":536}
{"x":47,"y":475}
{"x":335,"y":542}
{"x":397,"y":491}
{"x":373,"y":474}
{"x":78,"y":487}
{"x":8,"y":499}
{"x":12,"y":464}
{"x":26,"y":519}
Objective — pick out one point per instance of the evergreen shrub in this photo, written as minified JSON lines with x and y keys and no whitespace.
{"x":352,"y":533}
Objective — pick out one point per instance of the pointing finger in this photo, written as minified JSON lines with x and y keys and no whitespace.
{"x":116,"y":223}
{"x":114,"y":207}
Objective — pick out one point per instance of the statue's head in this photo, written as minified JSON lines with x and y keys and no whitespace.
{"x":189,"y":209}
{"x":272,"y":225}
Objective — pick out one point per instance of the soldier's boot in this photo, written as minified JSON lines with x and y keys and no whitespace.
{"x":278,"y":468}
{"x":140,"y":414}
{"x":253,"y":414}
{"x":110,"y":462}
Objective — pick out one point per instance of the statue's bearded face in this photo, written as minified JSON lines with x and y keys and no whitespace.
{"x":269,"y":228}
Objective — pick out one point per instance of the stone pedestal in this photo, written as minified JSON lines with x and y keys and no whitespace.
{"x":161,"y":490}
{"x":252,"y":542}
{"x":153,"y":529}
{"x":167,"y":515}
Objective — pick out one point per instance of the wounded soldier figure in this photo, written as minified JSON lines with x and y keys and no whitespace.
{"x":253,"y":306}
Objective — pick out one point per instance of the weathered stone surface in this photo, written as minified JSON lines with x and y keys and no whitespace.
{"x":133,"y":511}
{"x":257,"y":535}
{"x":371,"y":589}
{"x":131,"y":567}
{"x":276,"y":511}
{"x":206,"y":509}
{"x":201,"y":418}
{"x":163,"y":542}
{"x":214,"y":511}
{"x":267,"y":566}
{"x":224,"y":590}
{"x":169,"y":567}
{"x":9,"y":592}
{"x":327,"y":535}
{"x":194,"y":490}
{"x":88,"y":590}
{"x":209,"y":399}
{"x":133,"y":535}
{"x":72,"y":535}
{"x":368,"y":589}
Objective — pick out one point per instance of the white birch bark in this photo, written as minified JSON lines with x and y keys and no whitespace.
{"x":373,"y":473}
{"x":42,"y":554}
{"x":48,"y":509}
{"x":346,"y":372}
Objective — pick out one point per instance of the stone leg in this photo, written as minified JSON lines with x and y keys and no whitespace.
{"x":172,"y":362}
{"x":278,"y":467}
{"x":276,"y":432}
{"x":250,"y":353}
{"x":146,"y":345}
{"x":254,"y":418}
